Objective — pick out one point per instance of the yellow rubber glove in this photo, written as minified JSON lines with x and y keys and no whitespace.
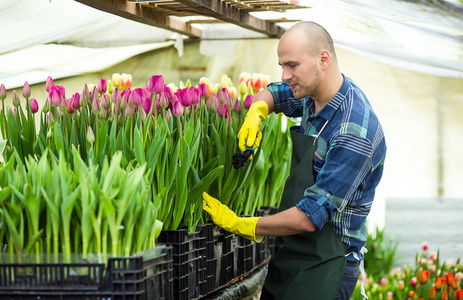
{"x":250,"y":134}
{"x":228,"y":220}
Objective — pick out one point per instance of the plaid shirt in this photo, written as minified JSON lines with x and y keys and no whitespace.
{"x":348,"y":162}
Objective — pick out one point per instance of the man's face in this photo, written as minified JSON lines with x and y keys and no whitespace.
{"x":301,"y":71}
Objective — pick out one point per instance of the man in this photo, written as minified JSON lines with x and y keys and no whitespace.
{"x":337,"y":162}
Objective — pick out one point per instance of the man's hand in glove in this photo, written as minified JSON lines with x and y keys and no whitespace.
{"x":250,"y":134}
{"x":228,"y":220}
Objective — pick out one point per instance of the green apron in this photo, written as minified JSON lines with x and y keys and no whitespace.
{"x":308,"y":265}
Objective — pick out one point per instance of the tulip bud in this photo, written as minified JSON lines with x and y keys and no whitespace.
{"x":212,"y":103}
{"x":124,"y":101}
{"x":223,"y":96}
{"x":128,"y":111}
{"x":85,"y":96}
{"x":264,"y":81}
{"x":64,"y":105}
{"x":163,"y":101}
{"x":383,"y":282}
{"x":104,"y":102}
{"x":76,"y":101}
{"x":168,"y":115}
{"x":425,"y":246}
{"x":401,"y":284}
{"x":256,"y":82}
{"x":216,"y":88}
{"x":26,"y":90}
{"x":439,"y":283}
{"x":2,"y":92}
{"x":48,"y":84}
{"x":243,"y":88}
{"x":46,"y":106}
{"x":16,"y":101}
{"x":224,"y":81}
{"x":110,"y":87}
{"x":116,"y":79}
{"x":90,"y":135}
{"x":69,"y":105}
{"x":423,"y":276}
{"x":116,"y":96}
{"x":177,"y":108}
{"x":413,"y":281}
{"x":250,"y":90}
{"x":232,"y":92}
{"x":188,"y":83}
{"x":248,"y":101}
{"x":202,"y":87}
{"x":444,"y":295}
{"x":147,"y":105}
{"x":95,"y":105}
{"x":102,"y":86}
{"x":185,"y":96}
{"x":432,"y":293}
{"x":389,"y":295}
{"x":156,"y":84}
{"x":459,"y":295}
{"x":238,"y":107}
{"x":34,"y":105}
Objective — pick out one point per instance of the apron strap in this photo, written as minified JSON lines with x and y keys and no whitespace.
{"x":318,"y":134}
{"x":362,"y":269}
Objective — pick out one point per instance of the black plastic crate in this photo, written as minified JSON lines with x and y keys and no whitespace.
{"x":144,"y":276}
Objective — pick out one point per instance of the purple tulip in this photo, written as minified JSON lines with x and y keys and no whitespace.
{"x":223,"y":111}
{"x":156,"y":84}
{"x":223,"y":96}
{"x":195,"y":95}
{"x":48,"y":84}
{"x":168,"y":93}
{"x":26,"y":90}
{"x":95,"y":105}
{"x":2,"y":92}
{"x":178,"y":108}
{"x":248,"y":101}
{"x":116,"y":96}
{"x":202,"y":87}
{"x":212,"y":103}
{"x":85,"y":96}
{"x":238,"y":107}
{"x":76,"y":101}
{"x":34,"y":105}
{"x":136,"y":97}
{"x":185,"y":96}
{"x":102,"y":86}
{"x":104,"y":101}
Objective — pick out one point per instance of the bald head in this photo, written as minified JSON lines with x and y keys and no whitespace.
{"x":313,"y":37}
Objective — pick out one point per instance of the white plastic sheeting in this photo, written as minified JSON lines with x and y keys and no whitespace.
{"x":63,"y":38}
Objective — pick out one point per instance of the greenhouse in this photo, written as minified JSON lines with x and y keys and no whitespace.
{"x":231,"y":149}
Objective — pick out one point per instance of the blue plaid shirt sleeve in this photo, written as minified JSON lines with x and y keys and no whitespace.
{"x":284,"y":100}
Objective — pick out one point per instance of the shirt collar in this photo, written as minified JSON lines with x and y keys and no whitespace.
{"x":330,"y":109}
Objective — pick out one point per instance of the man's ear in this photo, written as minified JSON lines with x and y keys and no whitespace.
{"x":325,"y":59}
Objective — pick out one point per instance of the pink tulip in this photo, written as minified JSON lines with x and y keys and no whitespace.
{"x":48,"y":84}
{"x":55,"y":95}
{"x":163,"y":101}
{"x":195,"y":96}
{"x":177,"y":108}
{"x":15,"y":110}
{"x":383,"y":282}
{"x":248,"y":101}
{"x":156,"y":84}
{"x":128,"y":111}
{"x":425,"y":246}
{"x":223,"y":96}
{"x":95,"y":105}
{"x":2,"y":92}
{"x":76,"y":101}
{"x":34,"y":105}
{"x":69,"y":104}
{"x":147,"y":105}
{"x":238,"y":107}
{"x":168,"y":115}
{"x":105,"y":102}
{"x":168,"y":93}
{"x":26,"y":90}
{"x":413,"y":281}
{"x":116,"y":96}
{"x":223,"y":111}
{"x":185,"y":96}
{"x":85,"y":96}
{"x":16,"y":101}
{"x":102,"y":86}
{"x":202,"y":87}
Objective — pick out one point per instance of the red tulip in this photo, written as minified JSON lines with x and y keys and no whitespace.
{"x":432,"y":293}
{"x":156,"y":84}
{"x":439,"y":283}
{"x":444,"y":295}
{"x":34,"y":105}
{"x":459,"y":295}
{"x":423,"y":276}
{"x":26,"y":90}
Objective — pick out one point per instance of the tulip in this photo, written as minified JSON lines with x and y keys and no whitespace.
{"x":223,"y":111}
{"x":401,"y":284}
{"x":383,"y":282}
{"x":46,"y":106}
{"x":15,"y":110}
{"x":76,"y":101}
{"x":69,"y":105}
{"x":128,"y":111}
{"x":110,"y":86}
{"x":156,"y":84}
{"x":256,"y":82}
{"x":195,"y":95}
{"x":459,"y":295}
{"x":136,"y":97}
{"x":104,"y":101}
{"x":95,"y":105}
{"x":412,"y":295}
{"x":168,"y":115}
{"x":202,"y":87}
{"x":173,"y":87}
{"x":147,"y":105}
{"x":116,"y":79}
{"x":185,"y":96}
{"x":168,"y":93}
{"x":389,"y":295}
{"x":212,"y":102}
{"x":225,"y":81}
{"x":85,"y":96}
{"x":423,"y":276}
{"x":177,"y":108}
{"x":116,"y":96}
{"x":250,"y":90}
{"x":454,"y":283}
{"x":34,"y":105}
{"x":413,"y":282}
{"x":48,"y":84}
{"x":223,"y":96}
{"x":238,"y":107}
{"x":242,"y":88}
{"x":425,"y":246}
{"x":432,"y":293}
{"x":248,"y":101}
{"x":126,"y":81}
{"x":216,"y":88}
{"x":232,"y":92}
{"x":439,"y":283}
{"x":265,"y":80}
{"x":2,"y":92}
{"x":64,"y":105}
{"x":102,"y":86}
{"x":163,"y":101}
{"x":26,"y":90}
{"x":444,"y":295}
{"x":16,"y":101}
{"x":56,"y":95}
{"x":244,"y":77}
{"x":433,"y":257}
{"x":90,"y":135}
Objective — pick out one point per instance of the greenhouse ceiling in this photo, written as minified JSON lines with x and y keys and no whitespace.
{"x":62,"y":38}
